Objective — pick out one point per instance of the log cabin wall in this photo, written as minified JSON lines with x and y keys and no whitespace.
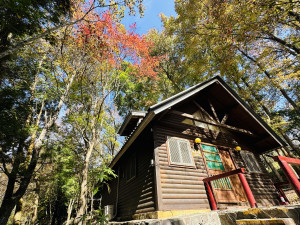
{"x":182,"y":188}
{"x":261,"y":184}
{"x":178,"y":188}
{"x":136,"y":195}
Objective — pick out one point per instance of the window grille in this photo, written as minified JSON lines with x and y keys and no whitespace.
{"x":250,"y":161}
{"x":180,"y":152}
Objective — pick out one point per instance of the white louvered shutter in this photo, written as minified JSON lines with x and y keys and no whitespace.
{"x":180,"y":152}
{"x":174,"y":151}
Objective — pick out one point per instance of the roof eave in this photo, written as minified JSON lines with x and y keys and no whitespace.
{"x":129,"y":117}
{"x":147,"y":119}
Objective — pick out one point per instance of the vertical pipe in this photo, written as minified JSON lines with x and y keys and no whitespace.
{"x":211,"y":196}
{"x":248,"y":191}
{"x":290,"y":175}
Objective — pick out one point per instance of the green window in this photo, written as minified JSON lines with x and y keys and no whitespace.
{"x":212,"y":157}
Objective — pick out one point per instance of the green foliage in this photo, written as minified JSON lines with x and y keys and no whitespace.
{"x":253,"y":45}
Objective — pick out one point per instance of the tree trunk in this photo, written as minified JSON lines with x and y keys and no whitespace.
{"x":70,"y":208}
{"x":36,"y":202}
{"x":10,"y":198}
{"x":18,"y":213}
{"x":83,"y":186}
{"x":91,"y":143}
{"x":6,"y":211}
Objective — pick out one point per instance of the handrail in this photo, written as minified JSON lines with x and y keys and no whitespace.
{"x":222,"y":175}
{"x":289,"y":173}
{"x":287,"y":159}
{"x":240,"y":172}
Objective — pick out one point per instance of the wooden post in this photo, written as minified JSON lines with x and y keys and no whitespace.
{"x":248,"y":191}
{"x":211,"y":196}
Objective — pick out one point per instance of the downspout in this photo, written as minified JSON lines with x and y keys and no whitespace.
{"x":117,"y":198}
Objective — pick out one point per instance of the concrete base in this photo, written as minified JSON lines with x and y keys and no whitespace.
{"x":288,"y":215}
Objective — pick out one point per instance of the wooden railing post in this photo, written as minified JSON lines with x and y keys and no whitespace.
{"x":290,"y":175}
{"x":282,"y":194}
{"x":211,"y":196}
{"x":248,"y":191}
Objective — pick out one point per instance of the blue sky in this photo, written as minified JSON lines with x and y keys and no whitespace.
{"x":151,"y":17}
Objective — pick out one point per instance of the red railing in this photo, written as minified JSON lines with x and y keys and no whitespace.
{"x":240,"y":172}
{"x":289,"y":173}
{"x":278,"y":187}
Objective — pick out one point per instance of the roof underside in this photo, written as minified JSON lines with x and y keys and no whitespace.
{"x":239,"y":116}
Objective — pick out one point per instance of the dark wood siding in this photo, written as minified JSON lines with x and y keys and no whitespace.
{"x":180,"y":188}
{"x":136,"y":195}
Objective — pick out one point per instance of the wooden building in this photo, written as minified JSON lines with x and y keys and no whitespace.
{"x":161,"y":169}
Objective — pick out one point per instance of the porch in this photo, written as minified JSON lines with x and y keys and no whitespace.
{"x":285,"y":164}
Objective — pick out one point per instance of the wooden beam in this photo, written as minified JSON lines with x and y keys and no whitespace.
{"x":204,"y":111}
{"x":214,"y":111}
{"x":224,"y":119}
{"x":189,"y":116}
{"x":222,"y":122}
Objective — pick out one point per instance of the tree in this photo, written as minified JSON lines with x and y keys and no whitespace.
{"x":35,"y":87}
{"x":28,"y":21}
{"x":254,"y":45}
{"x":105,"y":49}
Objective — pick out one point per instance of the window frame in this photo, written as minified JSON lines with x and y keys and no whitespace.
{"x":129,"y":166}
{"x":192,"y":165}
{"x":244,"y":155}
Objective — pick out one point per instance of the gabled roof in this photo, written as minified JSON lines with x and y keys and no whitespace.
{"x":219,"y":85}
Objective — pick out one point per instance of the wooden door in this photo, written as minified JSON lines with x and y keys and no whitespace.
{"x":223,"y":188}
{"x":235,"y":180}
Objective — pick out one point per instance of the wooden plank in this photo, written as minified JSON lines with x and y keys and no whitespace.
{"x":190,"y":182}
{"x":150,"y":209}
{"x":163,"y":167}
{"x":184,"y":196}
{"x":182,"y":190}
{"x":194,"y":173}
{"x":185,"y":201}
{"x":181,"y":177}
{"x":187,"y":206}
{"x":197,"y":186}
{"x":239,"y":130}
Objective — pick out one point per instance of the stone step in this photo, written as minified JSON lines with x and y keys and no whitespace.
{"x":272,"y":221}
{"x":230,"y":216}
